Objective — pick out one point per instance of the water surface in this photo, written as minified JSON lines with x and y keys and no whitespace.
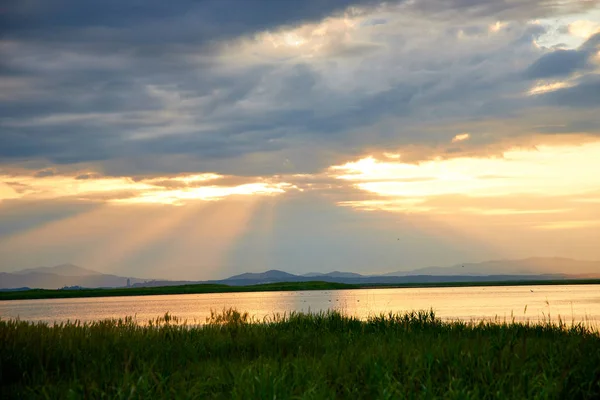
{"x":579,"y":303}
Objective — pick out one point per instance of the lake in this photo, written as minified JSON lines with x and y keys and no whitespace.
{"x":579,"y":303}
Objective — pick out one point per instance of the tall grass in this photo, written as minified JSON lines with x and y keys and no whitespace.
{"x":326,"y":355}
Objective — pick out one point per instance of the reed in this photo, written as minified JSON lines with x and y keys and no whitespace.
{"x":312,"y":356}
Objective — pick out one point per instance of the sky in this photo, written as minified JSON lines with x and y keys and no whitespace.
{"x":200,"y":139}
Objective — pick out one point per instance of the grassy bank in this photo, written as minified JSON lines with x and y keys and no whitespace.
{"x":270,"y":287}
{"x":162,"y":290}
{"x":301,"y":356}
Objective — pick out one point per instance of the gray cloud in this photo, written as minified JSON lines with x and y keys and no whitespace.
{"x":142,"y":90}
{"x":586,"y":94}
{"x":155,"y":22}
{"x":44,"y":173}
{"x":559,"y":63}
{"x":86,"y":176}
{"x":502,"y":9}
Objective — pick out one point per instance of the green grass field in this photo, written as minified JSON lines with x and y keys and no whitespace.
{"x":324,"y":356}
{"x":270,"y":287}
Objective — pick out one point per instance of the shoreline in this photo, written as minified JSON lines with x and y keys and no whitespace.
{"x":326,"y":355}
{"x":40,"y":294}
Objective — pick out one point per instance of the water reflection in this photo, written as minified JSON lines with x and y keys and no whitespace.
{"x":579,"y":303}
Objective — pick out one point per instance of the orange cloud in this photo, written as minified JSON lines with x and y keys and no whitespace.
{"x":162,"y":190}
{"x":584,"y":28}
{"x":461,"y":137}
{"x":545,"y":171}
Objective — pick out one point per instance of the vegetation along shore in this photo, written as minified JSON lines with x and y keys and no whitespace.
{"x":312,"y":356}
{"x":269,"y":287}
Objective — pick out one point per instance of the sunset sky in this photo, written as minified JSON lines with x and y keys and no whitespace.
{"x":200,"y":139}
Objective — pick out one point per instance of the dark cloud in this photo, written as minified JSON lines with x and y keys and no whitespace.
{"x":562,"y":63}
{"x":142,"y":88}
{"x":18,"y":187}
{"x":153,"y":22}
{"x":586,"y":94}
{"x":44,"y":173}
{"x":559,"y":63}
{"x":592,"y":44}
{"x":86,"y":176}
{"x":503,"y":9}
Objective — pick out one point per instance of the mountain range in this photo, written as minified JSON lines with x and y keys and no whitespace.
{"x":527,"y":266}
{"x":60,"y":276}
{"x":68,"y":275}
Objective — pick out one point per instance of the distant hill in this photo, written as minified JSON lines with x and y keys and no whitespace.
{"x":20,"y":289}
{"x":273,"y":274}
{"x":500,"y":270}
{"x":379,"y":279}
{"x":334,"y":274}
{"x":528,"y":266}
{"x":60,"y":276}
{"x":63,"y":269}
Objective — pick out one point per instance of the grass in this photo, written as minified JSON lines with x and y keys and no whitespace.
{"x":299,"y":356}
{"x":162,"y":290}
{"x":269,"y":287}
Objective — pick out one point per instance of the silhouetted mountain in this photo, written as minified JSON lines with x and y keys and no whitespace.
{"x":60,"y":276}
{"x":502,"y":270}
{"x":271,"y":275}
{"x":334,"y":274}
{"x":63,"y":269}
{"x":20,"y":289}
{"x":159,"y":283}
{"x":529,"y":266}
{"x":389,"y":279}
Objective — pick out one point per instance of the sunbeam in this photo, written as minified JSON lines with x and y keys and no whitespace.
{"x":198,"y":249}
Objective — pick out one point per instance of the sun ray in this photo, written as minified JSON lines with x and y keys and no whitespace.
{"x":199,"y":248}
{"x":52,"y":238}
{"x":139,"y":230}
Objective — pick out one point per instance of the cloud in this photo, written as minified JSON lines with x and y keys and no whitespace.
{"x":577,"y":224}
{"x":87,"y":176}
{"x":586,"y":93}
{"x":558,"y":63}
{"x":263,"y":90}
{"x":407,"y":187}
{"x":187,"y":21}
{"x":584,"y":28}
{"x":173,"y":190}
{"x":461,"y":137}
{"x":235,"y":110}
{"x":45,"y":172}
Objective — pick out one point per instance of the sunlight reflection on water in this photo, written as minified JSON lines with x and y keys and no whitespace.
{"x":571,"y":303}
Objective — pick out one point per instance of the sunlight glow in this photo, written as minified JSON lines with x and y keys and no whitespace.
{"x":546,"y":171}
{"x":393,"y":156}
{"x":189,"y":241}
{"x":584,"y":28}
{"x":132,"y":234}
{"x":569,"y":224}
{"x":541,"y":88}
{"x":178,"y":197}
{"x":307,"y":40}
{"x":206,"y":237}
{"x":497,"y":26}
{"x":197,"y":178}
{"x":161,"y":190}
{"x":461,"y":137}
